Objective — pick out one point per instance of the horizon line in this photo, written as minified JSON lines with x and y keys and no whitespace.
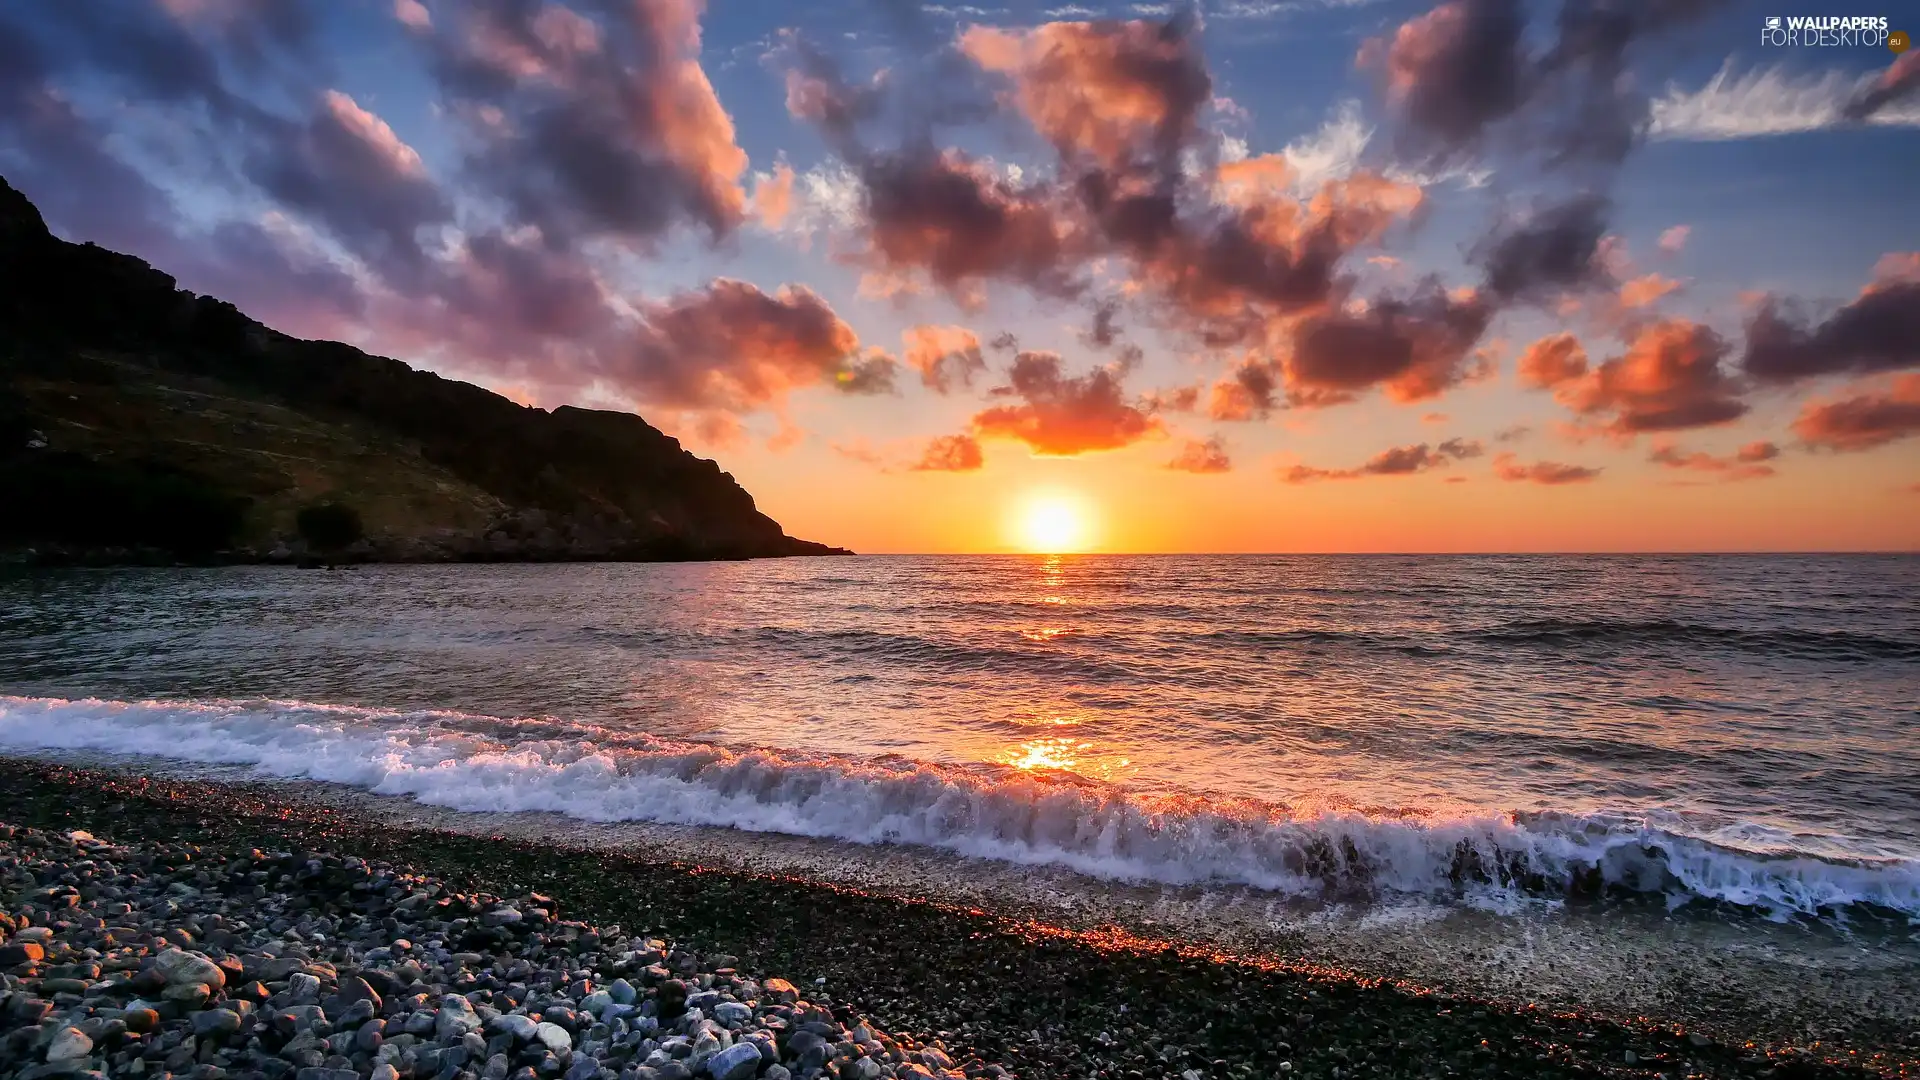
{"x":1385,"y":554}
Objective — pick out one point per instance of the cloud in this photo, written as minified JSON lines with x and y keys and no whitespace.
{"x":1061,"y":415}
{"x":1746,"y":463}
{"x":861,"y":452}
{"x":1865,"y":419}
{"x":1396,"y":461}
{"x":947,"y":357}
{"x":603,"y":129}
{"x":1878,"y":331}
{"x":1551,"y":361}
{"x":1900,"y":81}
{"x":1463,"y":71}
{"x":1120,"y":94}
{"x":731,"y":347}
{"x":1248,"y":392}
{"x":1414,"y":348}
{"x":1178,"y":399}
{"x":1555,"y":249}
{"x":1669,"y":378}
{"x":1508,"y":467}
{"x":1769,"y":102}
{"x":583,"y":139}
{"x":950,"y":453}
{"x":961,"y":224}
{"x":1196,"y":456}
{"x":872,"y":373}
{"x":772,"y":199}
{"x":1222,"y":252}
{"x":1454,"y":71}
{"x":1675,"y":238}
{"x":348,"y":170}
{"x":1646,"y":290}
{"x":412,"y":14}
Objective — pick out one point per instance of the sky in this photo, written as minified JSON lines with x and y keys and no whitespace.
{"x":1235,"y":275}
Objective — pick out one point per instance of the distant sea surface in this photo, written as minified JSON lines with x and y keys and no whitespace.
{"x":1735,"y":732}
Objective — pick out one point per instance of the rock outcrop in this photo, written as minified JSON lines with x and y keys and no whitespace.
{"x":139,"y":420}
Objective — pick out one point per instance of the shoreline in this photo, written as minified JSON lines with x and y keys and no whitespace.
{"x":155,"y":559}
{"x":1033,"y":992}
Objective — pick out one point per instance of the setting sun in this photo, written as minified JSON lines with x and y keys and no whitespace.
{"x":1053,"y":525}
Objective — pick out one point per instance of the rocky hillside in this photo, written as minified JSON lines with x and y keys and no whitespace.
{"x":140,"y":421}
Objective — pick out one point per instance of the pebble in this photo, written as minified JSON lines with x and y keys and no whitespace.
{"x":181,"y":968}
{"x":312,"y":984}
{"x":308,"y":967}
{"x":737,"y":1062}
{"x":69,"y":1044}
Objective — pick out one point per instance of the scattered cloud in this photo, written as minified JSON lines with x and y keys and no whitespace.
{"x":947,"y":357}
{"x":950,"y":453}
{"x":1878,"y":331}
{"x":1646,"y":290}
{"x":1749,"y":462}
{"x":1866,"y":418}
{"x":1062,"y":415}
{"x":1669,"y":378}
{"x":1770,"y":101}
{"x":1509,"y":467}
{"x":1397,"y":461}
{"x":1551,"y":361}
{"x":1198,"y":456}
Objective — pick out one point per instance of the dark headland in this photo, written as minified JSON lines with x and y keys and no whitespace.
{"x":140,"y":422}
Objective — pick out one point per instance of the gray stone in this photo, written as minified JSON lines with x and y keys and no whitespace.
{"x":420,"y":1023}
{"x":370,"y":1036}
{"x":519,"y":1026}
{"x":737,"y":1062}
{"x":865,"y":1068}
{"x":456,"y":1018}
{"x":218,"y":1023}
{"x":732,"y":1013}
{"x":553,"y":1036}
{"x":180,"y":968}
{"x":623,"y":992}
{"x":69,"y":1044}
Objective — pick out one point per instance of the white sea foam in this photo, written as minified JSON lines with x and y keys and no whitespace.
{"x":481,"y":764}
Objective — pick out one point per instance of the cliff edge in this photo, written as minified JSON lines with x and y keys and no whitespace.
{"x":140,"y":421}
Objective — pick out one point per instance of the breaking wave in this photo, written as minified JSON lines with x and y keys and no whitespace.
{"x":477,"y":763}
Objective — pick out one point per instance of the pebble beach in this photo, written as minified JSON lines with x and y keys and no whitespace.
{"x":179,"y":928}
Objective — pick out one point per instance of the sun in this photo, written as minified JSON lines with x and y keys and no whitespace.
{"x":1054,"y":524}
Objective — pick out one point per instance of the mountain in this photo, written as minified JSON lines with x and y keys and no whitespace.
{"x":140,"y":421}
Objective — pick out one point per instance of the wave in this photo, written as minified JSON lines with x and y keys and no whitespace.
{"x":1577,"y":632}
{"x":478,"y":763}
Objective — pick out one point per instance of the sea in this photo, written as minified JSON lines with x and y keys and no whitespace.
{"x":1734,"y":739}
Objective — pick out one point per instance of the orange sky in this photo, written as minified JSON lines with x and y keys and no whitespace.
{"x":1132,"y":505}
